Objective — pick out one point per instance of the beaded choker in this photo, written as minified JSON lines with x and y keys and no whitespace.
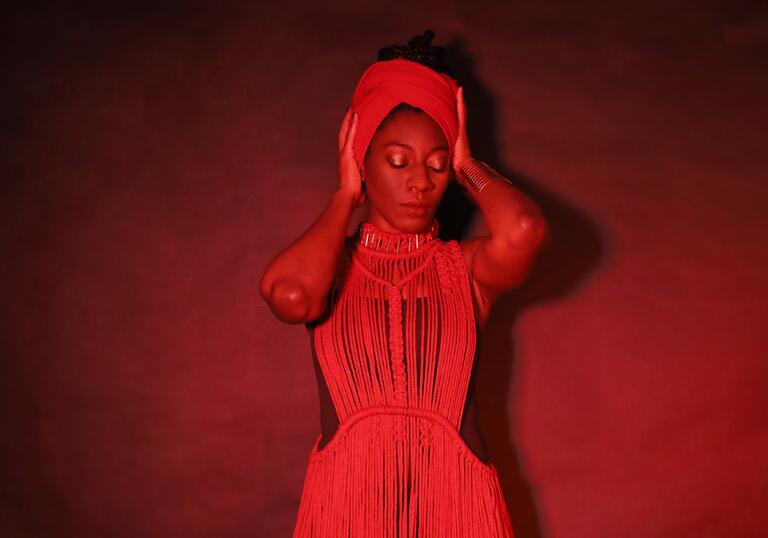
{"x":374,"y":238}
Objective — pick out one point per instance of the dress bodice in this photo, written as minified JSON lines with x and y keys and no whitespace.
{"x":395,"y":348}
{"x":400,"y":328}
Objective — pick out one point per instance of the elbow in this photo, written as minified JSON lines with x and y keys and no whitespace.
{"x":541,"y":231}
{"x":531,"y":228}
{"x":287,"y":300}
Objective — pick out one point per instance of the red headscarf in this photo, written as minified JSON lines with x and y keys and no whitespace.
{"x":384,"y":84}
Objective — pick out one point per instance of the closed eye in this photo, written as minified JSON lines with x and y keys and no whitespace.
{"x":404,"y":165}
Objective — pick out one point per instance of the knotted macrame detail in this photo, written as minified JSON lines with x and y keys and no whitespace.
{"x":444,"y":271}
{"x":396,"y":352}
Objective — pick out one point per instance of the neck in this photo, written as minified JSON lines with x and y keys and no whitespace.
{"x":374,"y":238}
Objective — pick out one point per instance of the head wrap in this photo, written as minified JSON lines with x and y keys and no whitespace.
{"x":384,"y":84}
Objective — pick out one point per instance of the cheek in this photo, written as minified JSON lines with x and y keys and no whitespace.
{"x":381,"y":186}
{"x":385,"y":177}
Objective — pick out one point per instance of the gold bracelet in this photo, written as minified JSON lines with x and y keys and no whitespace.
{"x":479,"y":174}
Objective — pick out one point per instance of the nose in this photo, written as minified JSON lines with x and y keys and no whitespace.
{"x":420,"y":181}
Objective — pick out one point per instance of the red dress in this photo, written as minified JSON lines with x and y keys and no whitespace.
{"x":396,"y":348}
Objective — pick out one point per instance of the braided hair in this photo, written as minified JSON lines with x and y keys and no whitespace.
{"x":419,"y":49}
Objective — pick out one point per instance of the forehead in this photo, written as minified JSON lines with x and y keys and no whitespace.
{"x":415,"y":129}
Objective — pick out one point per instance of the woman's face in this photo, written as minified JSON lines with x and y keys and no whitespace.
{"x":407,"y":162}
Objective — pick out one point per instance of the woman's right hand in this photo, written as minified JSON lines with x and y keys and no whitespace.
{"x":349,"y":171}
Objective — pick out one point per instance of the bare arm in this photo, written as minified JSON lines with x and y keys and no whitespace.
{"x":296,"y":282}
{"x":517,"y":228}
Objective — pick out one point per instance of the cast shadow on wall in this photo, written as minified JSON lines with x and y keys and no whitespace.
{"x":574,"y":250}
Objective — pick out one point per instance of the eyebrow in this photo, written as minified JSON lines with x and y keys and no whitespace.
{"x":394,"y":143}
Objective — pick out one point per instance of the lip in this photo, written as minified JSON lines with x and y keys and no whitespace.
{"x":417,"y":210}
{"x":416,"y":205}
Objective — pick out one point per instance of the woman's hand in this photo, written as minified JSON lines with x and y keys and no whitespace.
{"x":348,"y":169}
{"x":461,"y":150}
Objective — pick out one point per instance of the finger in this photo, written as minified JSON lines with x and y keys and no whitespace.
{"x":342,"y":131}
{"x":351,"y":132}
{"x":344,"y":128}
{"x":352,"y":138}
{"x":458,"y":105}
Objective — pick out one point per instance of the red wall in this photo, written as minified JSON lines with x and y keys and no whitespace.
{"x":155,"y":161}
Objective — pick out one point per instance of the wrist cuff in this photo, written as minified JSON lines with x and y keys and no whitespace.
{"x":478,"y":173}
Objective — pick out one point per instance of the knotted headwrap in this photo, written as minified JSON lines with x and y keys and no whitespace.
{"x":384,"y":84}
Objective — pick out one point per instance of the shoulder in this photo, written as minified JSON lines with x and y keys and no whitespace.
{"x":339,"y":278}
{"x":481,"y":297}
{"x":468,"y":248}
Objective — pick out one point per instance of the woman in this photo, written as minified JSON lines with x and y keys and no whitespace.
{"x":393,"y":312}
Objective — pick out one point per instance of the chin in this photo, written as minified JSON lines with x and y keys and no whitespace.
{"x":415,"y":224}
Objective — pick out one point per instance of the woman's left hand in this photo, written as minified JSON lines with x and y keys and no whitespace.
{"x":461,"y":150}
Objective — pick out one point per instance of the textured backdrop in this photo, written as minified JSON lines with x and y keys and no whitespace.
{"x":155,"y":160}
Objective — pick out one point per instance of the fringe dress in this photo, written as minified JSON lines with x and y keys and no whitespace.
{"x":396,"y":348}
